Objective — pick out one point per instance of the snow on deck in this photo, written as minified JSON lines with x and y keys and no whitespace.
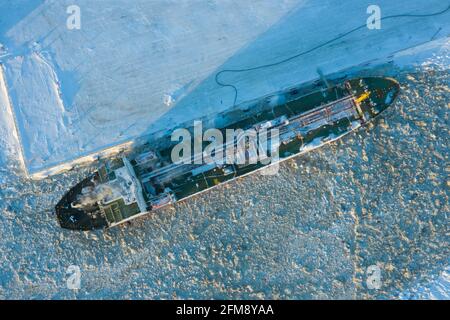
{"x":134,"y":69}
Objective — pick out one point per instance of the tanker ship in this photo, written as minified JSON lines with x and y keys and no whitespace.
{"x":134,"y":185}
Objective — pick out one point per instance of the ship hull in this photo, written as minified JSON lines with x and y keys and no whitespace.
{"x":312,"y":124}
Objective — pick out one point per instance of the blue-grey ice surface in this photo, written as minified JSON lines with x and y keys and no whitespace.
{"x":377,"y":197}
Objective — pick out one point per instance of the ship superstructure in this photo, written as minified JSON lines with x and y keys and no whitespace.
{"x":127,"y":187}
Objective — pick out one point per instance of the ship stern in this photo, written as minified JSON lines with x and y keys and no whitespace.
{"x":74,"y":217}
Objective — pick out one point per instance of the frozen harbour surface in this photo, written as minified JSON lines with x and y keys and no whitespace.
{"x":380,"y":196}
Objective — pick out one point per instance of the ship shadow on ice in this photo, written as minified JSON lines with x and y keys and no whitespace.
{"x":17,"y":12}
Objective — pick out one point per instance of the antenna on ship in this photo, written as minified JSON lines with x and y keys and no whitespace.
{"x":322,"y":77}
